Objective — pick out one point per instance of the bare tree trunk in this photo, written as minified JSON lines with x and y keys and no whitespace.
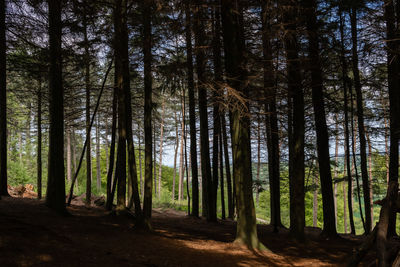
{"x":161,"y":149}
{"x":346,"y":86}
{"x":371,"y":195}
{"x":98,"y":155}
{"x":221,"y":168}
{"x":335,"y":171}
{"x":55,"y":196}
{"x":227,"y":168}
{"x":3,"y":101}
{"x":181,"y":166}
{"x":258,"y":160}
{"x":360,"y":116}
{"x":69,"y":169}
{"x":39,"y":140}
{"x":175,"y":156}
{"x":88,"y":89}
{"x":344,"y":197}
{"x":315,"y":201}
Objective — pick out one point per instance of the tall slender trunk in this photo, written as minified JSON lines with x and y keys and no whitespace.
{"x":258,"y":160}
{"x":140,"y":166}
{"x":3,"y":101}
{"x":110,"y":196}
{"x":344,"y":196}
{"x":386,"y":147}
{"x":329,"y":227}
{"x":221,"y":174}
{"x":315,"y":201}
{"x":87,"y":109}
{"x":55,"y":197}
{"x":227,"y":167}
{"x":175,"y":156}
{"x":387,"y":221}
{"x":39,"y":139}
{"x":346,"y":84}
{"x":192,"y":111}
{"x":155,"y":162}
{"x":98,"y":155}
{"x":161,"y":149}
{"x":200,"y":38}
{"x":246,"y":229}
{"x":271,"y":121}
{"x":371,"y":195}
{"x":296,"y":172}
{"x":360,"y":115}
{"x":69,"y":167}
{"x":335,"y":170}
{"x":147,"y":59}
{"x":181,"y":167}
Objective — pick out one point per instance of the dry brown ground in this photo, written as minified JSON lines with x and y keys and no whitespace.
{"x":33,"y":235}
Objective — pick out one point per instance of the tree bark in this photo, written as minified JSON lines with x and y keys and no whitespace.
{"x":161,"y":149}
{"x":329,"y":227}
{"x":246,"y":230}
{"x":296,"y":172}
{"x":3,"y":102}
{"x":227,"y":168}
{"x":98,"y":155}
{"x":271,"y":118}
{"x":87,"y":109}
{"x":360,"y":115}
{"x":207,"y":186}
{"x":192,"y":112}
{"x":55,"y":197}
{"x":147,"y":43}
{"x":175,"y":156}
{"x":110,"y":196}
{"x":39,"y":139}
{"x":346,"y":84}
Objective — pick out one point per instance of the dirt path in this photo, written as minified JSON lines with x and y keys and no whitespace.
{"x":32,"y":235}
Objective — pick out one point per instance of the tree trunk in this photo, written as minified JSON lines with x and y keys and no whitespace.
{"x":360,"y":115}
{"x":207,"y":186}
{"x":346,"y":84}
{"x":110,"y":196}
{"x":371,"y":195}
{"x":335,"y":169}
{"x":296,"y":147}
{"x":175,"y":156}
{"x":227,"y":167}
{"x":181,"y":167}
{"x":88,"y":89}
{"x":271,"y":119}
{"x":258,"y":186}
{"x":147,"y":43}
{"x":221,"y":174}
{"x":3,"y":102}
{"x":393,"y":65}
{"x":320,"y":120}
{"x":192,"y":112}
{"x":69,"y":169}
{"x":344,"y":196}
{"x":161,"y":149}
{"x":39,"y":140}
{"x":315,"y":201}
{"x":55,"y":197}
{"x":246,"y":230}
{"x":155,"y":162}
{"x":98,"y":155}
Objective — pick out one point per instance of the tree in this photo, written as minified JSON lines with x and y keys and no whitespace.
{"x":296,"y":120}
{"x":192,"y":111}
{"x":246,"y":229}
{"x":148,"y":187}
{"x":207,"y":181}
{"x":55,"y":196}
{"x":360,"y":116}
{"x":3,"y":102}
{"x":320,"y":118}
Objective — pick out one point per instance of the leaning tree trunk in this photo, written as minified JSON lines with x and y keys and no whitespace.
{"x":55,"y":197}
{"x":329,"y":227}
{"x":246,"y":229}
{"x":3,"y":102}
{"x":360,"y":115}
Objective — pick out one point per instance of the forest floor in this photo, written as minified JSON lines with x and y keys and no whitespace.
{"x":33,"y":235}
